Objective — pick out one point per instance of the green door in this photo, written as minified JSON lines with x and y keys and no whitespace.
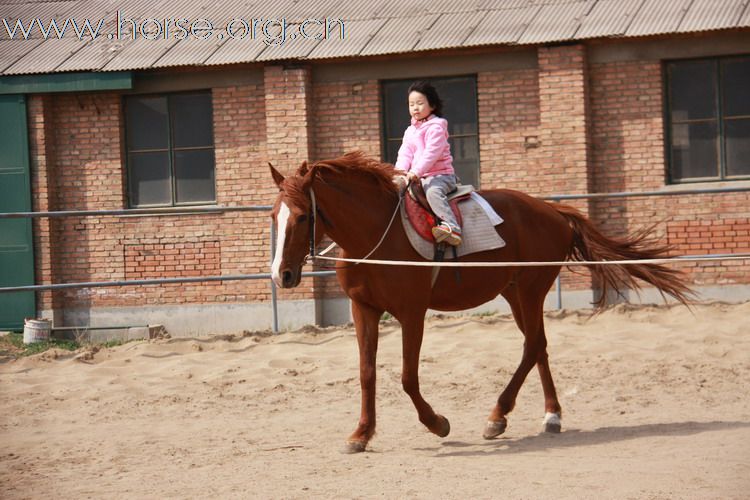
{"x":16,"y":244}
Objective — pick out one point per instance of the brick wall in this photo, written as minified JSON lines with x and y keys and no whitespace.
{"x":175,"y":259}
{"x":533,"y":131}
{"x":41,"y":158}
{"x":509,"y":113}
{"x":566,"y":126}
{"x":86,"y":174}
{"x":628,"y":155}
{"x":346,"y":117}
{"x":628,"y":138}
{"x":288,"y":101}
{"x":76,"y":153}
{"x":563,"y":160}
{"x":288,"y":115}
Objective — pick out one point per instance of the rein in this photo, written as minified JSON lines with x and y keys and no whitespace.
{"x":313,"y":215}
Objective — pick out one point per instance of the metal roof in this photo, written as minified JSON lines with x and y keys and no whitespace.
{"x":556,"y":22}
{"x":371,"y":27}
{"x":450,"y":30}
{"x":503,"y":26}
{"x":609,"y":18}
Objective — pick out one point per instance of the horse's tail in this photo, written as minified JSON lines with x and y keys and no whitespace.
{"x":591,"y":245}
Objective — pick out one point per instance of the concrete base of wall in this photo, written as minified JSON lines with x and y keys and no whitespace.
{"x":208,"y":319}
{"x":334,"y":312}
{"x":106,"y":334}
{"x":193,"y":320}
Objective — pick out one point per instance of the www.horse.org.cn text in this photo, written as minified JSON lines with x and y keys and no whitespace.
{"x":271,"y":31}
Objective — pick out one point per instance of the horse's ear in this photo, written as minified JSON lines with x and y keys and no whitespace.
{"x":277,"y":177}
{"x":309,"y":174}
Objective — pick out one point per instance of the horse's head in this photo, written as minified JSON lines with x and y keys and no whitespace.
{"x":293,"y":216}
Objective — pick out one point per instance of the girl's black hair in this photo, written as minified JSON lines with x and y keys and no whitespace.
{"x":425,"y":88}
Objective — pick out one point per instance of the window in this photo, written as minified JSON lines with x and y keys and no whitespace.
{"x":708,"y":119}
{"x":459,"y":96}
{"x":170,"y":149}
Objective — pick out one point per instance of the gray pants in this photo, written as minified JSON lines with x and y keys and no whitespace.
{"x":437,"y":188}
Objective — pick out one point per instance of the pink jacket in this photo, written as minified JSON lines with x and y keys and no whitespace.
{"x":425,"y":149}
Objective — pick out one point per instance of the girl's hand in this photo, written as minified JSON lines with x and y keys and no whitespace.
{"x":400,"y":182}
{"x":412,"y":176}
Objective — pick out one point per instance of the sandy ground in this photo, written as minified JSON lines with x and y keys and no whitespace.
{"x":655,"y":405}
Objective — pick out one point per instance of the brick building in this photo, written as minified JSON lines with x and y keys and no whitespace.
{"x":547,"y":97}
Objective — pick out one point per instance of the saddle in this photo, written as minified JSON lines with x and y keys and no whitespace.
{"x":420,"y":214}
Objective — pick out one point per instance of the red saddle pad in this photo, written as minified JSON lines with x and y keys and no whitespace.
{"x":423,"y":221}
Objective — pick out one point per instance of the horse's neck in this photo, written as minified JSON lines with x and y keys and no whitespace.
{"x":357,"y":217}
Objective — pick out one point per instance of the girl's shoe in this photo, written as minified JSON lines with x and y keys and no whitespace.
{"x":444,"y":233}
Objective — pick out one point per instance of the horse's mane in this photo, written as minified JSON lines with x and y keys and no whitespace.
{"x":356,"y":165}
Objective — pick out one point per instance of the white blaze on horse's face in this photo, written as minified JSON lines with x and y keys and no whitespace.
{"x":281,"y":222}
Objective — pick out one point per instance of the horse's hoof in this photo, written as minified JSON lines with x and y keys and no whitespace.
{"x":494,"y":429}
{"x":354,"y":447}
{"x":552,"y":423}
{"x":443,"y":427}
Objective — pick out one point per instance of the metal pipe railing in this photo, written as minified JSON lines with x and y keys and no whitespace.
{"x":639,"y":194}
{"x":155,"y":281}
{"x":159,"y":281}
{"x":631,"y":194}
{"x":262,"y":208}
{"x":187,"y":210}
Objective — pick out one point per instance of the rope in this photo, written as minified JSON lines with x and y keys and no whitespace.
{"x":687,"y":258}
{"x":333,"y":245}
{"x":382,"y":238}
{"x":328,"y":249}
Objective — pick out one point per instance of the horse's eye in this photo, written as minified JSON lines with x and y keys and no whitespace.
{"x":301,"y":219}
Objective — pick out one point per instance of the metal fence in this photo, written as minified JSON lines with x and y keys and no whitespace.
{"x":265,"y":208}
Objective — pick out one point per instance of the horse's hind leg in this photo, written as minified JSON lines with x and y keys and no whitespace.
{"x":553,"y":411}
{"x":412,"y":329}
{"x":528,"y":308}
{"x":552,"y":407}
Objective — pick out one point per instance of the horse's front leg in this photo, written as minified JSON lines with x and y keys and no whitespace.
{"x":366,"y":320}
{"x":412,"y":330}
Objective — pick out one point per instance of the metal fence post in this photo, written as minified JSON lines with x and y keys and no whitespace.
{"x":274,"y":303}
{"x":558,"y":280}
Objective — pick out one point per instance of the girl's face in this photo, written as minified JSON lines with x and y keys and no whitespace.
{"x":419,"y":106}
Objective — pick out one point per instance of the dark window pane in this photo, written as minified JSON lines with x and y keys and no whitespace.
{"x":146,"y":123}
{"x":459,"y":104}
{"x":149,"y":179}
{"x":736,"y":81}
{"x":191,"y":120}
{"x":392,"y":151}
{"x":694,"y":150}
{"x":465,"y":151}
{"x":194,"y":173}
{"x":737,"y":136}
{"x":396,"y":108}
{"x":693,"y":90}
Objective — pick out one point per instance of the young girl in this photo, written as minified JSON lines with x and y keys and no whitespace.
{"x":425,"y":155}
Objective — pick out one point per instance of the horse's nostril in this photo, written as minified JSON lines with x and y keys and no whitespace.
{"x":286,"y":278}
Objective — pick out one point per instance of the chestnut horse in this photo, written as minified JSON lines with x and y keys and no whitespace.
{"x":355,"y":199}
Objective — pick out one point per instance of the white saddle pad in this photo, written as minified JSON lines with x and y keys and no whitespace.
{"x":478,"y":230}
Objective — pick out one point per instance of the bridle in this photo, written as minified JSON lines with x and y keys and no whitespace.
{"x":313,"y":217}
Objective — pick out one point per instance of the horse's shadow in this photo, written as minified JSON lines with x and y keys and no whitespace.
{"x":576,"y":437}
